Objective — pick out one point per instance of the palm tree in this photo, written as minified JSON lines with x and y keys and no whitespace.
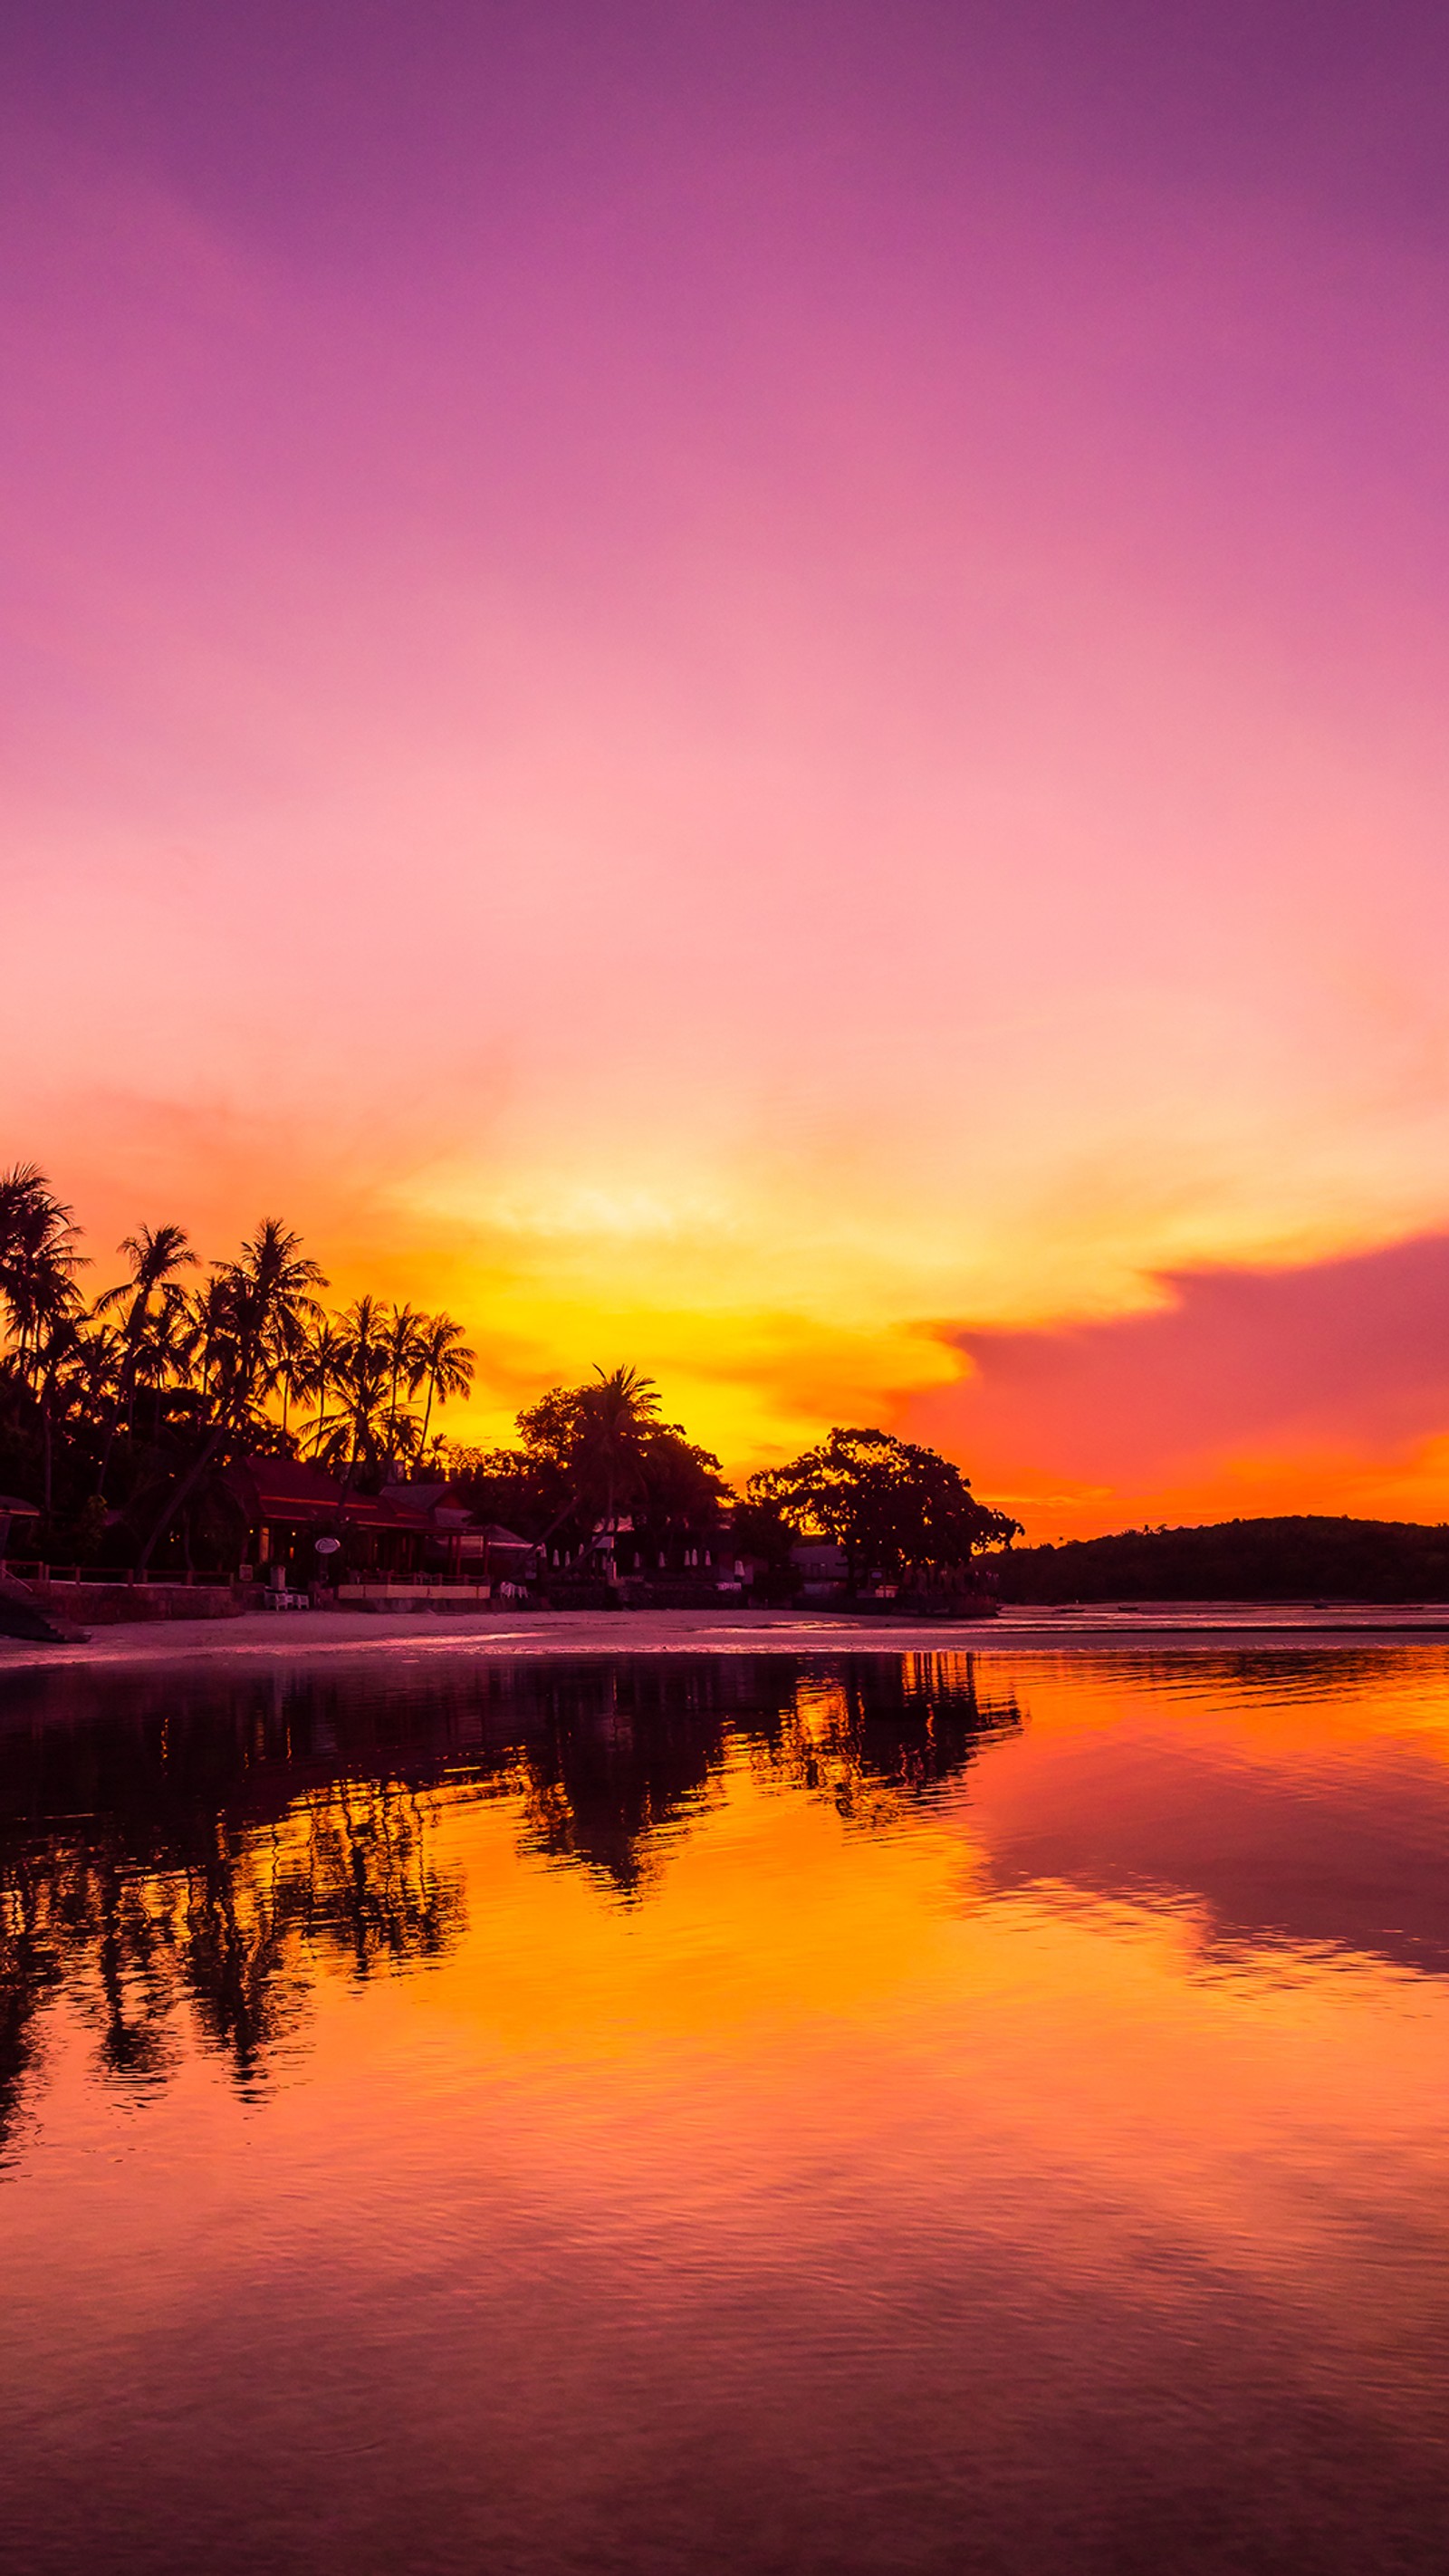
{"x":26,"y":1202}
{"x":38,"y":1259}
{"x":169,"y":1351}
{"x":155,"y":1257}
{"x":248,"y":1304}
{"x":38,"y":1263}
{"x":206,"y":1337}
{"x":19,"y":1189}
{"x":97,"y":1370}
{"x":447,"y":1365}
{"x":365,"y":1422}
{"x":56,"y":1353}
{"x":614,"y":1418}
{"x":403,"y":1334}
{"x":319,"y":1373}
{"x":291,"y":1348}
{"x":268,"y":1295}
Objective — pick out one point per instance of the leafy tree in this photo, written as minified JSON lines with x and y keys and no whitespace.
{"x":893,"y":1506}
{"x":289,"y":1356}
{"x":684,"y":1487}
{"x":160,"y":1385}
{"x":763,"y":1530}
{"x":516,"y":1487}
{"x":596,"y":1454}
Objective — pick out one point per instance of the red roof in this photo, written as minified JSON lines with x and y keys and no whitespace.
{"x":285,"y":1489}
{"x":291,"y":1490}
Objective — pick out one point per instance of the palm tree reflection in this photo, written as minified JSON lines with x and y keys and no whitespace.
{"x":238,"y":1928}
{"x":193,"y":1859}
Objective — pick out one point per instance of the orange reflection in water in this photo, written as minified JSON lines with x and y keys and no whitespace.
{"x":852,"y":2127}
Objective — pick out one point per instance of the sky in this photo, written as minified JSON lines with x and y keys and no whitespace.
{"x":758,"y":689}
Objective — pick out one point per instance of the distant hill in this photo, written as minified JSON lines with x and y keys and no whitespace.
{"x":1310,"y":1558}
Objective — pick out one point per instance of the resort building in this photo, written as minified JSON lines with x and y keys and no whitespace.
{"x":411,"y":1534}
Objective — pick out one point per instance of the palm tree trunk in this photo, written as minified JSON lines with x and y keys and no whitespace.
{"x":226,"y":1421}
{"x":391,"y":1423}
{"x":102,"y":1470}
{"x":125,"y":1392}
{"x":354,"y":1461}
{"x":183,"y":1493}
{"x":111,"y":1429}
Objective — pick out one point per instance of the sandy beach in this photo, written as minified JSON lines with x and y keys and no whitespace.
{"x":290,"y":1637}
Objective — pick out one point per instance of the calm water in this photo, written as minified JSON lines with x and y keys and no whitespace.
{"x":727,"y":2113}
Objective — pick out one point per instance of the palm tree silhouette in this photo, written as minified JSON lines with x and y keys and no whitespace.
{"x":38,"y":1259}
{"x":447,"y":1365}
{"x":319,"y":1372}
{"x":403,"y":1334}
{"x":155,"y":1257}
{"x":361,"y":1367}
{"x":246,"y":1302}
{"x":614,"y":1419}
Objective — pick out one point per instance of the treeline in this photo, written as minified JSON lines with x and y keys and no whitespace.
{"x":1307,"y":1557}
{"x":591,"y":1459}
{"x":121,"y":1411}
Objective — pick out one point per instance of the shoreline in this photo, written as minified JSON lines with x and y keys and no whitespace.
{"x":305,"y":1636}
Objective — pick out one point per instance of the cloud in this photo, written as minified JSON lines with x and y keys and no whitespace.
{"x":1321,"y":1387}
{"x":1267,"y":1852}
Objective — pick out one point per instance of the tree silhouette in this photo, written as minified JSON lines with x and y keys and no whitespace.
{"x":894,"y":1507}
{"x":446,"y":1365}
{"x":156,"y":1255}
{"x":248,"y":1300}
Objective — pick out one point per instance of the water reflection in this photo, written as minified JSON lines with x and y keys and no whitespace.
{"x":738,"y":2114}
{"x":230,"y":1919}
{"x":615,"y":1755}
{"x":1282,"y":1802}
{"x":217,"y":1844}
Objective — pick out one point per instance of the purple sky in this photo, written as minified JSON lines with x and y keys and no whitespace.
{"x":759,"y":688}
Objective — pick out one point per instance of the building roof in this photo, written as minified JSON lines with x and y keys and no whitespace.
{"x":818,"y":1555}
{"x":293,"y":1492}
{"x":285,"y":1489}
{"x":440,"y":1504}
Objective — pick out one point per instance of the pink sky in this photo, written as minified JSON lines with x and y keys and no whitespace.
{"x":760,"y":690}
